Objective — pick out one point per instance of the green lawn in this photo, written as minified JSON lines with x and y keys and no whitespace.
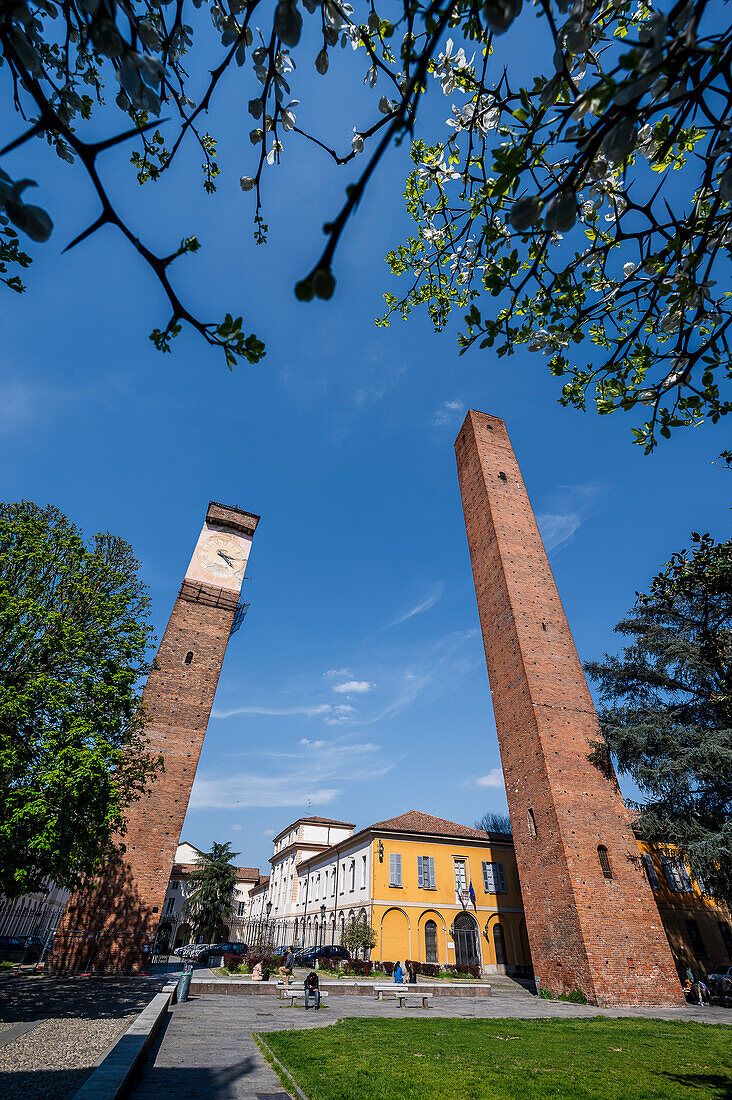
{"x":439,"y":1059}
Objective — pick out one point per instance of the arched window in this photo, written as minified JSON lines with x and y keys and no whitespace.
{"x":499,"y":943}
{"x":189,"y":656}
{"x":430,"y":941}
{"x":604,"y":861}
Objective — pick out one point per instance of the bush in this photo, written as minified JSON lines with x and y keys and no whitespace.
{"x":576,"y":996}
{"x":429,"y":970}
{"x":463,"y":970}
{"x":236,"y":963}
{"x":387,"y":967}
{"x":329,"y":964}
{"x":359,"y":967}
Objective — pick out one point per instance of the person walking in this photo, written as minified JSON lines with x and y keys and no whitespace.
{"x":312,"y":986}
{"x":287,"y":967}
{"x":398,"y":974}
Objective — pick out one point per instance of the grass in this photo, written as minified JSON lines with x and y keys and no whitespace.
{"x":439,"y":1059}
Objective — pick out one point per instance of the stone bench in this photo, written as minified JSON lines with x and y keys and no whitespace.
{"x":402,"y":994}
{"x":394,"y":987}
{"x":295,"y":993}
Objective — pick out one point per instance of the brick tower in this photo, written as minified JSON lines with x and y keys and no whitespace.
{"x":110,"y":924}
{"x":592,"y":921}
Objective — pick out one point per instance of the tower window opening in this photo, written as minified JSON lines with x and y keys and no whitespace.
{"x":604,"y":861}
{"x":531,"y":822}
{"x":502,"y":476}
{"x":189,"y":656}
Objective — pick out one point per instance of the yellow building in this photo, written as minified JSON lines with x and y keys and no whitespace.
{"x":422,"y":907}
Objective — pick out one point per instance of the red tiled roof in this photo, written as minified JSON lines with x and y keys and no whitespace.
{"x":263,"y":881}
{"x":243,"y":874}
{"x":329,"y":821}
{"x":414,"y":821}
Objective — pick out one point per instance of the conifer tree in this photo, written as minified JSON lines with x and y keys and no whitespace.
{"x":667,"y":719}
{"x":212,"y":899}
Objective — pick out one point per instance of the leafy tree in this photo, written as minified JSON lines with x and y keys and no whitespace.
{"x":358,"y":936}
{"x":211,"y":901}
{"x":74,"y":643}
{"x":590,"y":200}
{"x":492,"y":822}
{"x":667,"y":719}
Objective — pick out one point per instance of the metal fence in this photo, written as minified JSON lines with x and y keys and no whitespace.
{"x":260,"y":934}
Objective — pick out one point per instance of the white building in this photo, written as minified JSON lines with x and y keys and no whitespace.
{"x":33,"y":914}
{"x":300,"y":841}
{"x":334,"y":887}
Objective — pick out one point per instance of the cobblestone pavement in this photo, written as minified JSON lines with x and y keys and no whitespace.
{"x":206,"y":1047}
{"x":71,"y":1021}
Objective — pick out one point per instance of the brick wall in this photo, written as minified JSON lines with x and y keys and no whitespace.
{"x":589,"y":932}
{"x":110,"y":924}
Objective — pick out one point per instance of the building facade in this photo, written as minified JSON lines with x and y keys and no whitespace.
{"x":33,"y":914}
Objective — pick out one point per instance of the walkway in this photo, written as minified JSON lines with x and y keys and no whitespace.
{"x":206,"y":1048}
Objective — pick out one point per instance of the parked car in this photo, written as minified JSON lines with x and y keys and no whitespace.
{"x":231,"y":948}
{"x":329,"y":951}
{"x":720,"y":981}
{"x":193,"y":951}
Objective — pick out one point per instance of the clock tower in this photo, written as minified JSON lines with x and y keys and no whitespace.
{"x":110,"y":923}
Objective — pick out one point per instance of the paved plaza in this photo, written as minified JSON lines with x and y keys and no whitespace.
{"x":206,"y":1048}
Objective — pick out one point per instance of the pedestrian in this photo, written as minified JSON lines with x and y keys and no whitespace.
{"x":398,"y":974}
{"x":411,"y":972}
{"x":287,"y":967}
{"x":257,"y":971}
{"x":703,"y":992}
{"x":312,"y":985}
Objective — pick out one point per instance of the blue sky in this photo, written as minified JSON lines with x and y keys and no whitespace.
{"x":356,"y":687}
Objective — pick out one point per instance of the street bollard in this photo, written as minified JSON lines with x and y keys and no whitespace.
{"x":184,"y":984}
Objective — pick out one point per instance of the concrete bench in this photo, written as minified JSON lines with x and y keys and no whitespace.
{"x":287,"y":990}
{"x":381,"y":990}
{"x":402,"y":994}
{"x":295,"y":993}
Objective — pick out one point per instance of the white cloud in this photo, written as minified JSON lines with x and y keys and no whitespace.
{"x":236,"y":826}
{"x":313,"y":744}
{"x":556,"y":530}
{"x":494,"y":778}
{"x":424,"y":605}
{"x":449,"y":412}
{"x":337,"y":672}
{"x":318,"y":772}
{"x":311,"y":711}
{"x":353,"y":687}
{"x":268,"y":832}
{"x":565,"y":510}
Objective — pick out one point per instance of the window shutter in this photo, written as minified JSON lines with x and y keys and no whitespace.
{"x":487,"y":878}
{"x":420,"y":872}
{"x":432,"y":872}
{"x":672,"y":875}
{"x":395,"y":870}
{"x":501,"y":878}
{"x":684,"y":875}
{"x":651,"y":871}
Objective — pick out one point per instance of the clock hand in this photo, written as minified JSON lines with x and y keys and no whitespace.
{"x":226,"y":558}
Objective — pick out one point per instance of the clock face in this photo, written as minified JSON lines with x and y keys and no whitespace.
{"x":222,"y":556}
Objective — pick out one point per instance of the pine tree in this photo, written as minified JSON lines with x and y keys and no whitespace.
{"x":212,"y":899}
{"x":667,"y":719}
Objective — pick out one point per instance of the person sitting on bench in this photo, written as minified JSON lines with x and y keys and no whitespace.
{"x":398,"y":973}
{"x":312,"y":986}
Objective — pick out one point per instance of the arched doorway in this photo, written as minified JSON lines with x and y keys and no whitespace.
{"x":183,"y":935}
{"x":395,"y":942}
{"x":465,"y":936}
{"x":430,"y":941}
{"x":499,"y":944}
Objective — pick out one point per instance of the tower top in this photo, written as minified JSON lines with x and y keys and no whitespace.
{"x":473,"y":416}
{"x":228,"y":515}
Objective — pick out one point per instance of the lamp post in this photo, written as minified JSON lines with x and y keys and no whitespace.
{"x":322,"y":931}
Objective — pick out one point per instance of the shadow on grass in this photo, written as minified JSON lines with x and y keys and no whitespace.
{"x":714,"y":1086}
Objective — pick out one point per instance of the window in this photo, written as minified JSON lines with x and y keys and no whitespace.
{"x":726,"y":934}
{"x":426,"y":872}
{"x":697,"y":943}
{"x":650,"y":871}
{"x":170,"y":906}
{"x":241,"y":909}
{"x":494,"y":878}
{"x":395,"y":870}
{"x":189,"y":657}
{"x":430,"y":941}
{"x":461,"y":877}
{"x":332,"y":881}
{"x":352,"y":875}
{"x":604,"y":861}
{"x":531,"y":822}
{"x":363,"y":872}
{"x":676,"y":874}
{"x":316,"y":888}
{"x":174,"y":884}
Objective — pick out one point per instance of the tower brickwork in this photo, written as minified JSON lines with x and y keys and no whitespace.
{"x":592,"y":921}
{"x":110,"y":923}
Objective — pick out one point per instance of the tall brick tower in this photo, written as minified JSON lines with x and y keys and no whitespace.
{"x":110,"y":924}
{"x":592,"y":922}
